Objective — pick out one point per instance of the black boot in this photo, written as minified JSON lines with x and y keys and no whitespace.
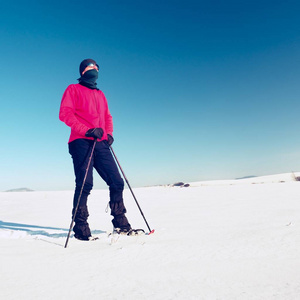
{"x":121,"y":222}
{"x":118,"y":211}
{"x":81,"y":229}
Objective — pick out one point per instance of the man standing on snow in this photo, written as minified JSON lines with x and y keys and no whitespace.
{"x":84,"y":108}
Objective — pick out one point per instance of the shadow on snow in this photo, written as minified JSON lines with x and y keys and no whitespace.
{"x":39,"y":230}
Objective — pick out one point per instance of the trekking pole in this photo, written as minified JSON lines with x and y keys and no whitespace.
{"x":150,"y":231}
{"x":83,"y":183}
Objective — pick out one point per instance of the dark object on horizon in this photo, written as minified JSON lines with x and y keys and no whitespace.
{"x":246,"y":177}
{"x":181,"y":184}
{"x":178,"y":184}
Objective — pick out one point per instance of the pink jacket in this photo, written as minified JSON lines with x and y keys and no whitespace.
{"x":82,"y":109}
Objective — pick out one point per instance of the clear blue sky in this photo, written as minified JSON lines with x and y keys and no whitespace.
{"x":198,"y":90}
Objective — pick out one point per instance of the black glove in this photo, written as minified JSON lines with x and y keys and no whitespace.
{"x":96,"y":133}
{"x":110,"y":139}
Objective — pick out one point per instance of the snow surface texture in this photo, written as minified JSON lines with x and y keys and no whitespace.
{"x":236,"y":239}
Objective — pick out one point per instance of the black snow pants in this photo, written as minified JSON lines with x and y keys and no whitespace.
{"x":105,"y":165}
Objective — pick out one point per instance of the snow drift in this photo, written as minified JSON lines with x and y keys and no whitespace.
{"x":234,"y":239}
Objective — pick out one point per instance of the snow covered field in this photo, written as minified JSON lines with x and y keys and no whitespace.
{"x":236,"y":239}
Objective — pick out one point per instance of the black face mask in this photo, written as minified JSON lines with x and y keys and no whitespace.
{"x":89,"y":78}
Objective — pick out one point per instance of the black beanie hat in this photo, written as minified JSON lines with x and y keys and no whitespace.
{"x":85,"y":63}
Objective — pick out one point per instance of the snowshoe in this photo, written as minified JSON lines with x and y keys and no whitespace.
{"x":130,"y":232}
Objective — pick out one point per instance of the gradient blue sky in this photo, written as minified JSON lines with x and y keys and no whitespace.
{"x":199,"y":90}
